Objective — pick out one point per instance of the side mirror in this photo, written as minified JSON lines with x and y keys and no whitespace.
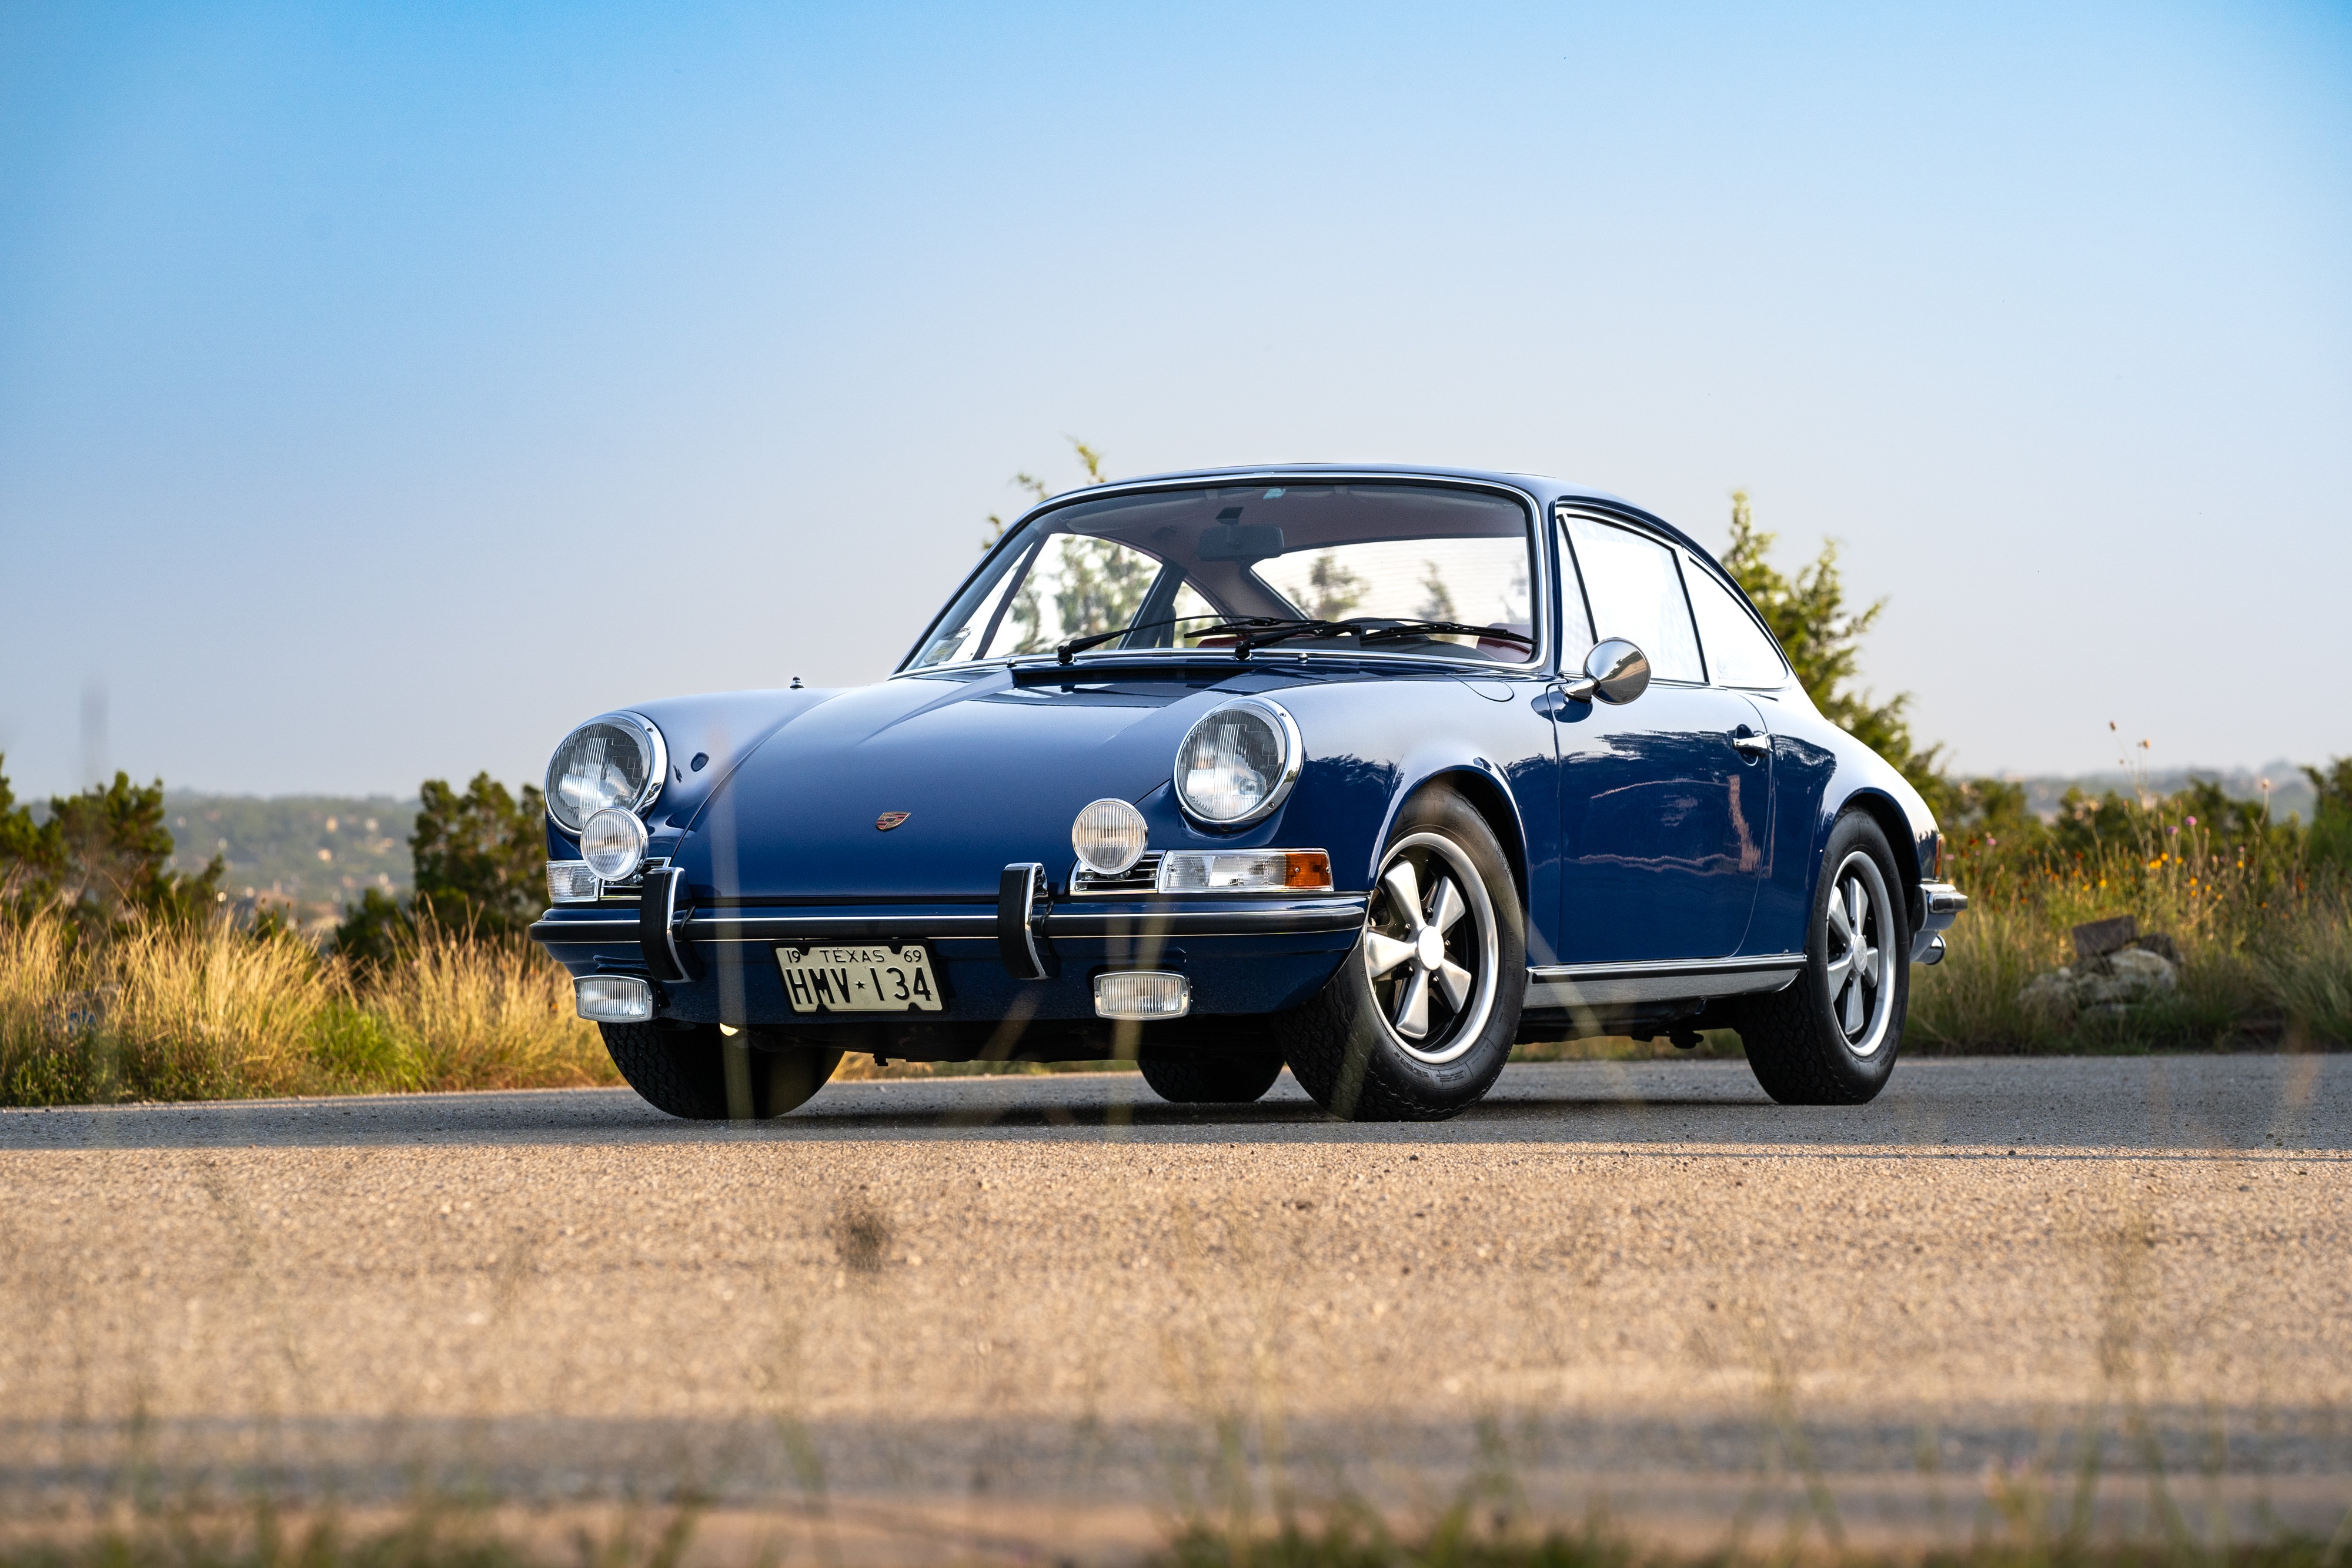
{"x":1616,"y":672}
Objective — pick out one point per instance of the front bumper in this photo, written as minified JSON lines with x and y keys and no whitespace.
{"x":1938,"y":905}
{"x":1243,"y":955}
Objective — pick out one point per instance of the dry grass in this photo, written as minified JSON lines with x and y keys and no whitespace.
{"x":460,"y":1012}
{"x":2265,"y":943}
{"x":163,"y":1011}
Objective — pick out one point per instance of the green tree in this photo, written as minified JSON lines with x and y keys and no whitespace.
{"x":104,"y":853}
{"x":2331,"y":814}
{"x":481,"y":857}
{"x":25,"y":853}
{"x":481,"y":865}
{"x":1821,"y":634}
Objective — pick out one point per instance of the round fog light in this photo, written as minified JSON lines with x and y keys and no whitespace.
{"x":613,"y":843}
{"x":1108,"y":836}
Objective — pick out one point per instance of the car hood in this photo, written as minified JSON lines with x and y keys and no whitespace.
{"x":986,"y":773}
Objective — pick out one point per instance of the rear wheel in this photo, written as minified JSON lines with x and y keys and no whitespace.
{"x":1831,"y":1036}
{"x":1417,"y":1023}
{"x":686,"y":1071}
{"x":1194,"y":1079}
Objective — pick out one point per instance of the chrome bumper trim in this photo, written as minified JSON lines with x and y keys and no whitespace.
{"x":1232,"y":917}
{"x":1329,"y":912}
{"x":1942,"y":903}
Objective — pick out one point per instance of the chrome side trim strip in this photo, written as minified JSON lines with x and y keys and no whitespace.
{"x":1642,"y":969}
{"x":1591,"y":984}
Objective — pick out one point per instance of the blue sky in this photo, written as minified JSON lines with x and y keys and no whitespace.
{"x":383,"y":390}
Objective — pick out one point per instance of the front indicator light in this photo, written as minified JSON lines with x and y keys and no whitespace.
{"x":572,"y":882}
{"x":1244,"y":871}
{"x":614,"y":999}
{"x":1142,"y":995}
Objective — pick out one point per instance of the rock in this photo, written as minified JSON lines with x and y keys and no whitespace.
{"x":2108,"y":982}
{"x":2157,"y":942}
{"x":2097,"y":938}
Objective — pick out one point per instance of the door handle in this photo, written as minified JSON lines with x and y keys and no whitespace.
{"x":1752,"y":745}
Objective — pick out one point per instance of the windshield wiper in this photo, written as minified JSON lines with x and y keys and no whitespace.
{"x":1400,"y":629}
{"x":1249,"y":632}
{"x":1063,"y":652}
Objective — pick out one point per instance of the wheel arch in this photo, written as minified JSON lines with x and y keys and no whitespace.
{"x":1477,"y":783}
{"x":1883,"y":809}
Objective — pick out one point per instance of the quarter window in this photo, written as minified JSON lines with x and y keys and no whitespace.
{"x":1637,"y":594}
{"x":1739,"y":653}
{"x":1575,"y":620}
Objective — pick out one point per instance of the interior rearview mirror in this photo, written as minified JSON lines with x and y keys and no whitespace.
{"x":1616,"y":672}
{"x":1243,"y":542}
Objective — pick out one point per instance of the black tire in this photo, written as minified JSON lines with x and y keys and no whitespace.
{"x":1799,"y":1042}
{"x":683,"y":1071}
{"x":1348,"y":1046}
{"x":1195,"y":1078}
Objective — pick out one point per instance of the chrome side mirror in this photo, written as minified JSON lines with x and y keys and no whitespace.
{"x":1616,"y":672}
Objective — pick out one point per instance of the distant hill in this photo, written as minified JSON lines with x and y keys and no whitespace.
{"x":314,"y":852}
{"x":2290,"y":792}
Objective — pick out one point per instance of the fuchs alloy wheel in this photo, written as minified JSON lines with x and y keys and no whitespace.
{"x":1195,"y":1078}
{"x":1418,"y":1022}
{"x":684,"y":1072}
{"x":1831,"y":1038}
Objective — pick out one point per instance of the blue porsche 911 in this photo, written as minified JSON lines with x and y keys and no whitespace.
{"x":1369,"y":771}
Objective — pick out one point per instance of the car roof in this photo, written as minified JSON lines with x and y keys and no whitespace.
{"x":1546,"y":489}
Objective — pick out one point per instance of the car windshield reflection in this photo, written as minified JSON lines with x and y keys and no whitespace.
{"x":1172,"y":569}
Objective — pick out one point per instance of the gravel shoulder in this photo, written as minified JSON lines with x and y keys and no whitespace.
{"x":1054,"y":1309}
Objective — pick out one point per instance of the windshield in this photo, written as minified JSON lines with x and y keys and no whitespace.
{"x":1167,"y":567}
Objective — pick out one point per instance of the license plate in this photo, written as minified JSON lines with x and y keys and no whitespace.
{"x":867,"y":979}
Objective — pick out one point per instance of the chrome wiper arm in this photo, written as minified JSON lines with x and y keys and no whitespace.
{"x":1273,"y":629}
{"x":1396,"y":630}
{"x":1064,"y":651}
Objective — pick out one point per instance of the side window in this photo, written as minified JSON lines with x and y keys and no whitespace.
{"x":1637,"y":594}
{"x":1739,"y":653}
{"x":1575,"y":622}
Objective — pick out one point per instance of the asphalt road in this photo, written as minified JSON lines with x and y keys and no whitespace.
{"x":1005,"y":1315}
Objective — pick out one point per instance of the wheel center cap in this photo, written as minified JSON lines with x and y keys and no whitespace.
{"x":1428,"y":948}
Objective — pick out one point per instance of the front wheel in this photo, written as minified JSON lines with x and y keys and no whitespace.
{"x":1830,"y":1038}
{"x":687,"y":1072}
{"x":1418,"y":1022}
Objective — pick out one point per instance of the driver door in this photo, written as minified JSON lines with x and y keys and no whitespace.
{"x":1666,"y":822}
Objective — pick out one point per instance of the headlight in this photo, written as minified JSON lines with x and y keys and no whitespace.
{"x":615,"y":760}
{"x":613,"y":843}
{"x":1236,"y":765}
{"x":1108,"y":836}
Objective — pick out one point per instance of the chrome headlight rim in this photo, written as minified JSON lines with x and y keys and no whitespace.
{"x":656,"y":771}
{"x":1294,"y":759}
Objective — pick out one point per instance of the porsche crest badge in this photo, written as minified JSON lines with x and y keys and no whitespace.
{"x":890,"y":819}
